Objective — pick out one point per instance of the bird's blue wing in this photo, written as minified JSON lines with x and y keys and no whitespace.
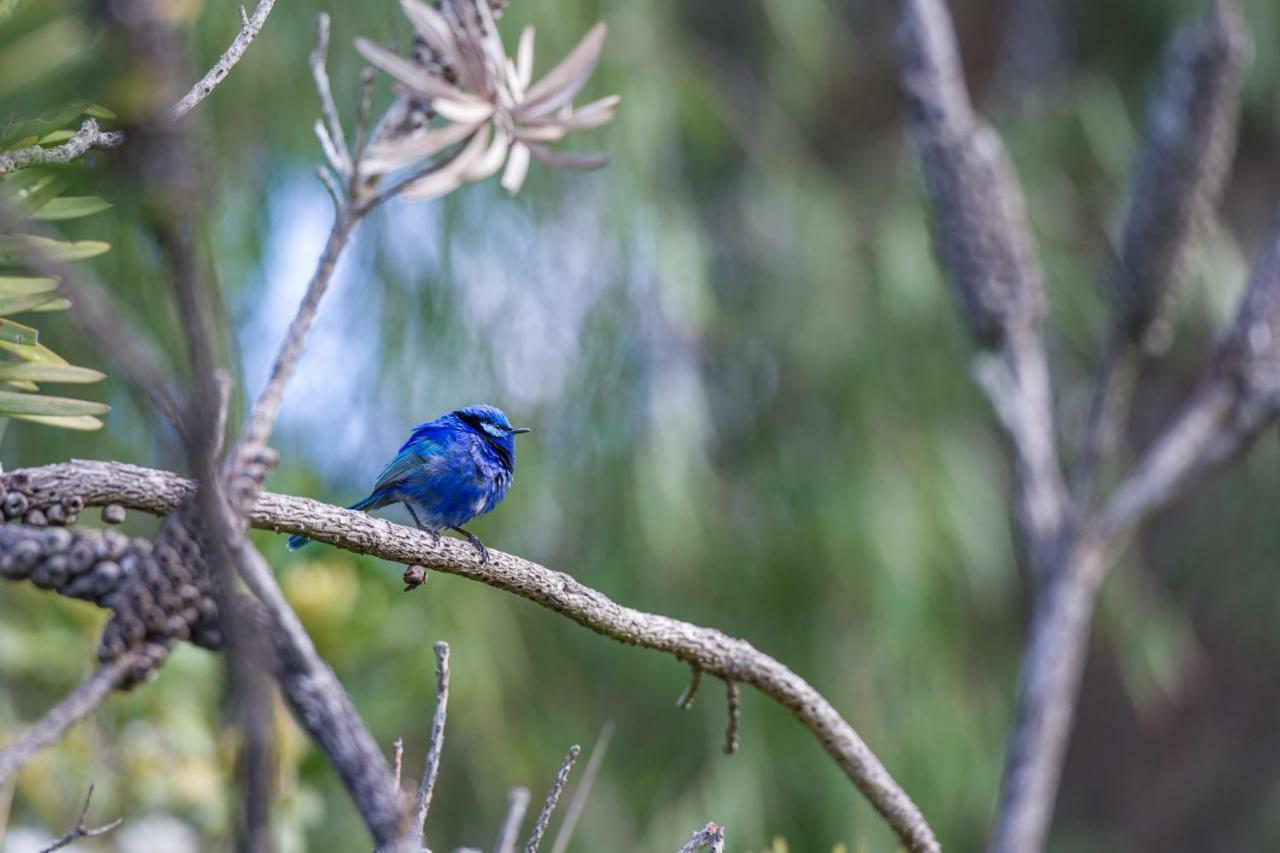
{"x":420,"y":449}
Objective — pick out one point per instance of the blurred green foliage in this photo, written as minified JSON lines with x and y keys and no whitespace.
{"x":751,"y":409}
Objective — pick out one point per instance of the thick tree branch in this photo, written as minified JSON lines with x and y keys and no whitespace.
{"x":728,"y":658}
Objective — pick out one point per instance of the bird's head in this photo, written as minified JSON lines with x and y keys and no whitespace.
{"x":492,"y":425}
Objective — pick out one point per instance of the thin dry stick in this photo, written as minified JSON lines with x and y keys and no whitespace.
{"x":432,"y":769}
{"x":87,"y":138}
{"x":583,"y":792}
{"x":517,"y":803}
{"x":397,"y":760}
{"x":101,"y":483}
{"x":80,"y":830}
{"x":734,"y":700}
{"x":78,"y":704}
{"x":332,"y":138}
{"x":250,"y":26}
{"x":553,"y":796}
{"x":1105,"y":416}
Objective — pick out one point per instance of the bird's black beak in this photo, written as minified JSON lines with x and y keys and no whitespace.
{"x":519,"y":430}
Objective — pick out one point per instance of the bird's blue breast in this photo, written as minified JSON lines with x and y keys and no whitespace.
{"x":449,"y":475}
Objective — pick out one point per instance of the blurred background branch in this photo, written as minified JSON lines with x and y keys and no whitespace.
{"x":983,"y":242}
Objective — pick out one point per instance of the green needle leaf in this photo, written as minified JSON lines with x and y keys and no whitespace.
{"x":16,"y":404}
{"x":15,"y":285}
{"x":16,"y":333}
{"x":49,"y":373}
{"x":13,"y":248}
{"x":71,"y":207}
{"x":19,"y":302}
{"x":84,"y":423}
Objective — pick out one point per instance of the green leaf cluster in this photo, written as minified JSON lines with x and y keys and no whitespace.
{"x":36,"y":194}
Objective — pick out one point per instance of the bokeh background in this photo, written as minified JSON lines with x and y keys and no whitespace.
{"x":751,"y":409}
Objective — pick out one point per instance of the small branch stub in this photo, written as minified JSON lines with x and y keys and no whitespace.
{"x":734,"y":700}
{"x":436,"y":747}
{"x":685,"y":702}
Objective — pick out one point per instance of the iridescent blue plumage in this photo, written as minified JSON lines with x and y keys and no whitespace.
{"x":450,"y":471}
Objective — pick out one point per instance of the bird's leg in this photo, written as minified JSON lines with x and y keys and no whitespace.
{"x":475,"y":543}
{"x":435,"y":535}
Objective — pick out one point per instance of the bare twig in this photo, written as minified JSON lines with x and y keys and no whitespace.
{"x":583,"y":791}
{"x":432,"y":768}
{"x":715,"y":653}
{"x":397,"y":760}
{"x":59,"y":719}
{"x":733,"y":698}
{"x":80,"y":830}
{"x":363,"y":114}
{"x":517,"y":803}
{"x":685,"y":702}
{"x":1105,"y":415}
{"x":1016,"y":380}
{"x":261,"y":419}
{"x":711,"y":836}
{"x":250,"y":26}
{"x":87,"y":138}
{"x":553,"y":796}
{"x":336,"y":149}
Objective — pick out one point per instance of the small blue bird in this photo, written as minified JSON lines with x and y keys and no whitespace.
{"x":451,"y":470}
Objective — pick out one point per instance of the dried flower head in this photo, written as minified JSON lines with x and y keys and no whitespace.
{"x":489,"y":110}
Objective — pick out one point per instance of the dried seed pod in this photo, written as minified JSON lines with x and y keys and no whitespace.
{"x":110,"y":647}
{"x":80,"y":557}
{"x":156,"y":620}
{"x":84,"y":587}
{"x":15,"y":505}
{"x":20,"y":481}
{"x":140,"y":597}
{"x":35,"y":518}
{"x":51,"y":573}
{"x":56,"y":514}
{"x":73,"y":504}
{"x":108,"y":573}
{"x":56,"y":539}
{"x":113,"y":514}
{"x":116,"y":545}
{"x":207,"y":637}
{"x":1182,"y":168}
{"x":25,"y":556}
{"x":178,"y":628}
{"x":414,"y":577}
{"x":981,"y":231}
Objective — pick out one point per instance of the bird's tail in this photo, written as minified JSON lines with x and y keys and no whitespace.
{"x":374,"y":501}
